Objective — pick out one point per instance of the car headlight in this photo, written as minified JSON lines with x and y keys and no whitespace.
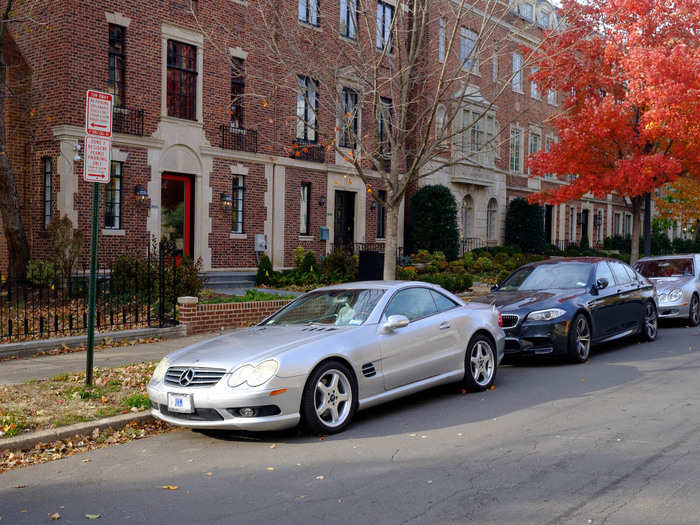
{"x":675,"y":295}
{"x":545,"y":315}
{"x":253,"y":375}
{"x":159,"y":372}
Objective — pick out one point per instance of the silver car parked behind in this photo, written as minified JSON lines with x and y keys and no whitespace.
{"x":327,"y":354}
{"x":677,"y":280}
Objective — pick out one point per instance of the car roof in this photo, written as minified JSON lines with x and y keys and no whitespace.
{"x":383,"y":285}
{"x":674,"y":256}
{"x":555,"y":260}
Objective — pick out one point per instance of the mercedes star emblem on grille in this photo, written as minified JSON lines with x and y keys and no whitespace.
{"x":186,"y":377}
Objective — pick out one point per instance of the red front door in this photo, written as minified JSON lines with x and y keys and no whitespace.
{"x":176,"y":212}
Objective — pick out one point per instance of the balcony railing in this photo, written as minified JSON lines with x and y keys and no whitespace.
{"x":238,"y":139}
{"x":128,"y":121}
{"x":308,"y":151}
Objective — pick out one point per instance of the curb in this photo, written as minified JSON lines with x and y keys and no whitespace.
{"x":31,"y":348}
{"x":79,"y":429}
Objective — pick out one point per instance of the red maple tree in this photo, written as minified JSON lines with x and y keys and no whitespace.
{"x":630,"y":121}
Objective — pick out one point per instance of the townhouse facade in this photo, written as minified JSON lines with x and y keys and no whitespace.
{"x":218,"y":172}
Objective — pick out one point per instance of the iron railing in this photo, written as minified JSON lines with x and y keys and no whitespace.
{"x":128,"y":121}
{"x":471,"y":243}
{"x":308,"y":151}
{"x":238,"y":139}
{"x":131,"y":293}
{"x":357,"y":247}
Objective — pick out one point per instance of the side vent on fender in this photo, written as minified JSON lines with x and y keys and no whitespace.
{"x":368,"y":370}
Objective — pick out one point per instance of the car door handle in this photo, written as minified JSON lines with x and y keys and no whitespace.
{"x":444,"y":326}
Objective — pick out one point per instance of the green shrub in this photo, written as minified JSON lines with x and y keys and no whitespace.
{"x":467,"y":260}
{"x":265,"y":271}
{"x":501,"y":258}
{"x":309,"y":264}
{"x":41,"y":273}
{"x":584,"y":244}
{"x":298,"y":255}
{"x":407,"y":273}
{"x":454,"y":282}
{"x":66,"y":244}
{"x":434,"y":220}
{"x":339,"y":266}
{"x":525,"y":226}
{"x":422,"y":257}
{"x":188,"y":280}
{"x":502,"y":276}
{"x":456,"y":267}
{"x":482,"y":265}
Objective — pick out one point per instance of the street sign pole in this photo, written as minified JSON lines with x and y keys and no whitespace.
{"x":92,"y":290}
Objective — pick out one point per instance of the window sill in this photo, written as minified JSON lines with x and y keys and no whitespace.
{"x":110,"y":232}
{"x":306,"y":237}
{"x":181,"y":121}
{"x":238,"y":236}
{"x":310,"y":26}
{"x":518,"y":91}
{"x":240,"y":2}
{"x":380,"y":240}
{"x":348,"y":39}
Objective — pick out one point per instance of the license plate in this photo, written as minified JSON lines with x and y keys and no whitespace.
{"x":180,"y":403}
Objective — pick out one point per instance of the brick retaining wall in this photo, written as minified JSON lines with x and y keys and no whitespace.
{"x":199,"y":318}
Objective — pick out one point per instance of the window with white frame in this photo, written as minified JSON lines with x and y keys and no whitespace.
{"x":494,"y":65}
{"x":628,"y":225}
{"x":440,"y":121}
{"x":478,"y":137}
{"x":348,"y":18}
{"x":491,"y":211}
{"x":305,"y":208}
{"x":441,"y":40}
{"x":467,"y":217}
{"x":350,"y":118}
{"x":385,"y":18}
{"x":543,"y":19}
{"x":517,"y":81}
{"x":535,"y":141}
{"x":534,"y":90}
{"x":516,"y":138}
{"x":526,"y":11}
{"x":552,"y":97}
{"x":113,"y":198}
{"x":308,"y":11}
{"x":617,"y":229}
{"x":548,"y":141}
{"x":467,"y":49}
{"x":307,"y":105}
{"x":385,"y":114}
{"x":599,"y":227}
{"x":572,"y":223}
{"x":237,"y":204}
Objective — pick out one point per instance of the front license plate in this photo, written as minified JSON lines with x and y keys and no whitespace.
{"x":180,"y":403}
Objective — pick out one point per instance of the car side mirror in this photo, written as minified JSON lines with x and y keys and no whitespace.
{"x":494,"y":288}
{"x":602,"y":283}
{"x":394,"y":322}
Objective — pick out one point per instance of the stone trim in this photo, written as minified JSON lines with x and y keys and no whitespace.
{"x":238,"y":52}
{"x":118,"y":19}
{"x":107,"y":232}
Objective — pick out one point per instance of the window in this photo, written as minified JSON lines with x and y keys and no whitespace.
{"x":441,"y":40}
{"x":526,"y":11}
{"x":385,"y":17}
{"x":517,"y":81}
{"x":491,"y":210}
{"x":414,"y":303}
{"x":305,"y":208}
{"x":381,"y":216}
{"x":549,"y":140}
{"x":572,"y":224}
{"x":552,"y":97}
{"x":440,"y":121}
{"x":113,"y":197}
{"x":602,"y":271}
{"x":237,"y":205}
{"x":467,"y":217}
{"x":47,"y":168}
{"x":443,"y":303}
{"x":628,"y":225}
{"x":308,"y":11}
{"x":117,"y":64}
{"x":535,"y":141}
{"x":467,"y":50}
{"x":477,"y":141}
{"x":515,"y":153}
{"x":599,"y":231}
{"x":182,"y":80}
{"x":237,"y":89}
{"x":544,"y":19}
{"x":384,"y":117}
{"x":616,"y":224}
{"x":534,"y":91}
{"x":348,"y":129}
{"x":494,"y":65}
{"x":307,"y":105}
{"x":348,"y":18}
{"x":621,"y":275}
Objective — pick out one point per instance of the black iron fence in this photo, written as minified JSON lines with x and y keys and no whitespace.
{"x":238,"y":139}
{"x":357,"y":247}
{"x":131,"y":293}
{"x":471,"y":243}
{"x":127,"y":120}
{"x":308,"y":151}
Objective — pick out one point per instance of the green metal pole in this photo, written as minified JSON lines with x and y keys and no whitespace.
{"x":92,"y":291}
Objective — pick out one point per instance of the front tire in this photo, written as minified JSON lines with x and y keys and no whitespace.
{"x":650,"y":328}
{"x":329,"y":401}
{"x":694,"y":315}
{"x":480,"y":364}
{"x":579,"y":339}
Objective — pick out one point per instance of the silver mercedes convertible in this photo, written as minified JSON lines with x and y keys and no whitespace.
{"x":327,"y":354}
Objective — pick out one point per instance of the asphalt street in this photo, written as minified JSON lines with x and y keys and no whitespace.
{"x":615,"y":440}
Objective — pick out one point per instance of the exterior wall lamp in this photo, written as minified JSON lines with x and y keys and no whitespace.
{"x":226,"y":201}
{"x":373,"y":206}
{"x":321,"y":201}
{"x":141,"y":194}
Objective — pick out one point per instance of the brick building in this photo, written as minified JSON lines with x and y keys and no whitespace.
{"x":197,"y":160}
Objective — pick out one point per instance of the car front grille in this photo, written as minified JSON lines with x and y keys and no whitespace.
{"x":510,"y":320}
{"x":193,"y":376}
{"x":200,"y":414}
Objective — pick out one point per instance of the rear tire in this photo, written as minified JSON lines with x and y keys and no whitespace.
{"x":650,"y":326}
{"x":329,"y":401}
{"x":579,"y":339}
{"x":694,"y":314}
{"x":480,"y":364}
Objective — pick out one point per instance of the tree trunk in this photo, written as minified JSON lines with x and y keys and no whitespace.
{"x":391,"y":243}
{"x":636,"y":228}
{"x":18,"y":249}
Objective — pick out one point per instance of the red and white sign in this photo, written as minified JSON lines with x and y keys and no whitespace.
{"x":98,"y":114}
{"x":98,"y":157}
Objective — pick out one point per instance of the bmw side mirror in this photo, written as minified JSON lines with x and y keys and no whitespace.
{"x":494,"y":288}
{"x":394,"y":322}
{"x":601,"y":283}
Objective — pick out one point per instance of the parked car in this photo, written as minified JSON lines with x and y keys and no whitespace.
{"x":677,"y":283}
{"x":327,"y":354}
{"x":564,"y":306}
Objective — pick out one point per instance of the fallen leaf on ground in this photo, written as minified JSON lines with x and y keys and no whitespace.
{"x":320,"y":477}
{"x":55,"y":516}
{"x":492,"y":387}
{"x":270,"y":468}
{"x":208,"y":474}
{"x":93,"y":516}
{"x":86,"y":461}
{"x":20,"y":486}
{"x":170,"y":487}
{"x":273,"y":446}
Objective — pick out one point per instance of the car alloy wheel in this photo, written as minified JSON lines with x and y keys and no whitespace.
{"x":651,"y":322}
{"x":694,"y":317}
{"x":579,"y":339}
{"x":480,"y":364}
{"x":330,"y":398}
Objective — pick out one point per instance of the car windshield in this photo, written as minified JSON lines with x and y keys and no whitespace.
{"x":331,"y":307}
{"x":548,"y":276}
{"x":665,"y":267}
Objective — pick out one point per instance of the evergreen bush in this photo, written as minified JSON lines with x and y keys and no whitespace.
{"x":525,"y":226}
{"x":434,"y":221}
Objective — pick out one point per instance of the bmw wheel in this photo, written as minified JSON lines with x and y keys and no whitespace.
{"x":650,"y":328}
{"x":480,"y":364}
{"x":330,"y":399}
{"x":694,"y":315}
{"x":579,"y":339}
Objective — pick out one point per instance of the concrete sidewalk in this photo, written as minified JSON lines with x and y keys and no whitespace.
{"x":19,"y":371}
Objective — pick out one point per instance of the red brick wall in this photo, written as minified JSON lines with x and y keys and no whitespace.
{"x":200,"y":318}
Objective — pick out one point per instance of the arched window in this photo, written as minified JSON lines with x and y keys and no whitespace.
{"x":467,"y":217}
{"x":491,"y":211}
{"x":440,"y":117}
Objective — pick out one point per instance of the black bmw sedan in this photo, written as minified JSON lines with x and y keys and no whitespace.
{"x":563,"y":306}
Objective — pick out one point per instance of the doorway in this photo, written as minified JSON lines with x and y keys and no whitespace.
{"x":344,"y":224}
{"x":548,"y":212}
{"x":176,"y":212}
